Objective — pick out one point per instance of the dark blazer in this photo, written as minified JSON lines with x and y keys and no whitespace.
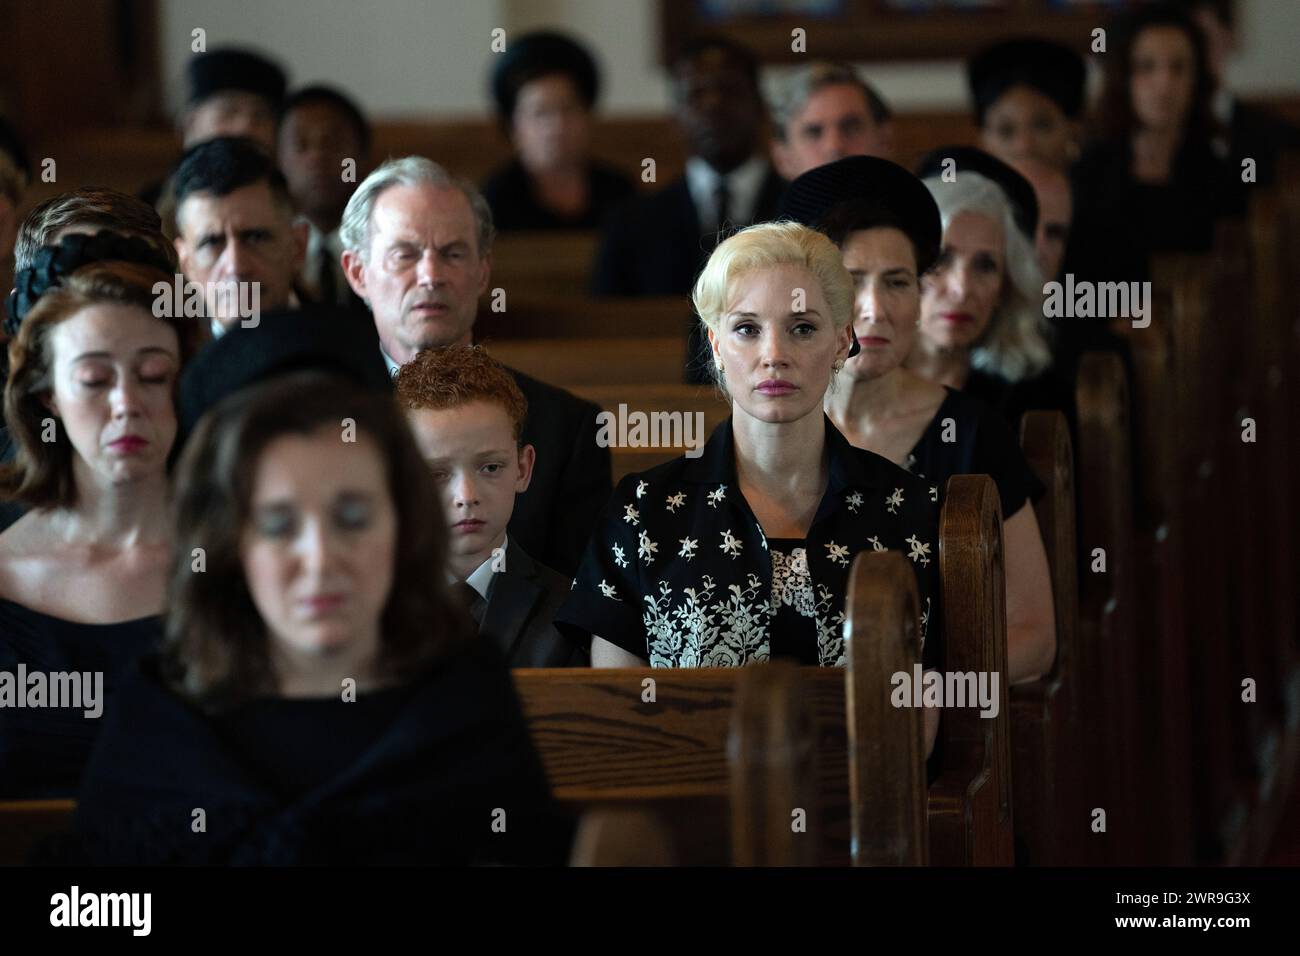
{"x":572,"y":480}
{"x":654,"y":245}
{"x":521,"y":605}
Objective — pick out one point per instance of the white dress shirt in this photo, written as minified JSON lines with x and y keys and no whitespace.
{"x":480,"y":579}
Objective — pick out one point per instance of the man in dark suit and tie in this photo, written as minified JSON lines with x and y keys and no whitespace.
{"x":467,"y":414}
{"x":417,"y":248}
{"x":657,"y":244}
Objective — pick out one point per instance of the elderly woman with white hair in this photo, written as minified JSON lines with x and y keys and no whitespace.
{"x":743,"y":553}
{"x":982,"y":325}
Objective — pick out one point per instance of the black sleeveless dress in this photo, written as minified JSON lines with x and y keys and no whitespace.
{"x":982,"y":444}
{"x":43,"y":749}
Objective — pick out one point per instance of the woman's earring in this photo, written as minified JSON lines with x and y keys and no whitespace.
{"x":838,"y":367}
{"x":720,"y":366}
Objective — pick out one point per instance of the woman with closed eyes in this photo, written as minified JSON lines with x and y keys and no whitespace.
{"x":91,"y":404}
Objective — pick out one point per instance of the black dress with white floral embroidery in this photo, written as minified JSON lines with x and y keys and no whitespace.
{"x":679,"y":572}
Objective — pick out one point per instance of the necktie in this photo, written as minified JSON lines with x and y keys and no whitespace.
{"x":326,"y":288}
{"x":471,"y":600}
{"x":723,"y":196}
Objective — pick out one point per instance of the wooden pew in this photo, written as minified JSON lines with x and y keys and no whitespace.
{"x":1288,"y":321}
{"x":1115,"y":748}
{"x":674,"y":419}
{"x":970,"y":802}
{"x":543,"y":263}
{"x":1044,"y":723}
{"x":25,"y":823}
{"x":772,"y":756}
{"x":603,"y":739}
{"x":1243,"y":493}
{"x":568,"y":317}
{"x":1164,"y":710}
{"x":1269,"y":338}
{"x":568,"y":363}
{"x":1184,"y":421}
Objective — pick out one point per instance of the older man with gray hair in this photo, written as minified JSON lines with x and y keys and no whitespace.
{"x":826,"y":112}
{"x":417,"y":249}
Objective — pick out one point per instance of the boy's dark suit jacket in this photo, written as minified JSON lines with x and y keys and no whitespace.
{"x":652,"y":245}
{"x":522,"y":601}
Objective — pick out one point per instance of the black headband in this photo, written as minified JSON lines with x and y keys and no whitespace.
{"x":52,"y":265}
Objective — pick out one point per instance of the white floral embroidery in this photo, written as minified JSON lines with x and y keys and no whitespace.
{"x":911,"y":460}
{"x":630,"y":515}
{"x":934,"y":492}
{"x":854,"y":501}
{"x":641,"y":486}
{"x":688,"y":547}
{"x":730,"y":544}
{"x":832,"y":651}
{"x":619,"y":559}
{"x":702,"y":633}
{"x":876,"y":545}
{"x":791,"y":583}
{"x":920,"y":552}
{"x":646,"y":549}
{"x":838,"y":553}
{"x":894,"y":500}
{"x":925,"y":622}
{"x":716,"y":496}
{"x":608,"y":590}
{"x":676,"y":501}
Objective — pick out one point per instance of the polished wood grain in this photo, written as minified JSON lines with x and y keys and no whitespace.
{"x":970,"y":802}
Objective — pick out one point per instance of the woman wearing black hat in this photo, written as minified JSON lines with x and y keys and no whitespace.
{"x":887,"y":227}
{"x":545,"y":86}
{"x":90,"y":401}
{"x":320,"y":696}
{"x":1153,"y":181}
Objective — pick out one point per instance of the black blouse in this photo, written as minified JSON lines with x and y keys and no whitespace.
{"x":274,"y":735}
{"x":981,"y":444}
{"x":680,"y":573}
{"x":44,"y":750}
{"x":1048,"y":391}
{"x":509,"y":191}
{"x":427,"y":774}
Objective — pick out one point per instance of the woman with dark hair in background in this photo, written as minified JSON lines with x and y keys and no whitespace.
{"x":545,"y":86}
{"x":91,"y":404}
{"x":1153,"y":181}
{"x":320,"y":695}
